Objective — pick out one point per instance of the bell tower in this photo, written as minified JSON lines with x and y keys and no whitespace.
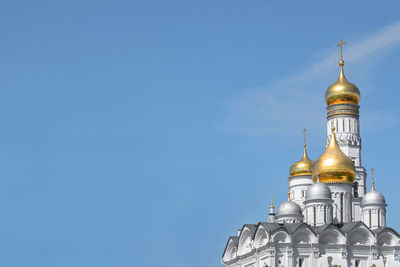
{"x":342,"y":99}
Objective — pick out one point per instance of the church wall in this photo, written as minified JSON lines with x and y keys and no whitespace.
{"x":298,"y":186}
{"x":342,"y":208}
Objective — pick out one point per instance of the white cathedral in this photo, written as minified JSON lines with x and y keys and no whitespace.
{"x":328,"y":220}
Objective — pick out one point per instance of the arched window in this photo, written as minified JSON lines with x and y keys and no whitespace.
{"x":330,"y":259}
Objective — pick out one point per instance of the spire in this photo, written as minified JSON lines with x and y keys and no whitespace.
{"x":271,"y":208}
{"x":272,"y":202}
{"x":333,"y":141}
{"x":372,"y":180}
{"x":271,"y":217}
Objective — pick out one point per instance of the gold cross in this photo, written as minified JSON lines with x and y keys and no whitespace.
{"x":372,"y":179}
{"x":304,"y":133}
{"x":341,"y":44}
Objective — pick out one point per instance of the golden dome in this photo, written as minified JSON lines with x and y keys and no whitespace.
{"x":342,"y":91}
{"x":333,"y":166}
{"x":302,"y":167}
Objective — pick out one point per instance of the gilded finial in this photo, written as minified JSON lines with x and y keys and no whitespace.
{"x":272,"y":202}
{"x":372,"y":180}
{"x":304,"y":133}
{"x":341,"y":44}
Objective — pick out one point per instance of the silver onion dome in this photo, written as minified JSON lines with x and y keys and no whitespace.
{"x":288,"y":208}
{"x":318,"y":191}
{"x":373,"y":198}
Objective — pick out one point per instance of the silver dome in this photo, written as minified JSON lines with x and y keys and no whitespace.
{"x":373,"y":197}
{"x":288,"y":208}
{"x":318,"y":191}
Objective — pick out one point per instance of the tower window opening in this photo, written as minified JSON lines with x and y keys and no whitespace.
{"x":357,"y":263}
{"x":301,"y":261}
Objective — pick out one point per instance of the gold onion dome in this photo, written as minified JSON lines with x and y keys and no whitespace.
{"x":333,"y":166}
{"x":304,"y":166}
{"x":342,"y":91}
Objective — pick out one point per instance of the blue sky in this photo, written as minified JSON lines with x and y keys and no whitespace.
{"x":145,"y":133}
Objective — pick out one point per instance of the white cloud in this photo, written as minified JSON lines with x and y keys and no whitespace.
{"x":297,"y":101}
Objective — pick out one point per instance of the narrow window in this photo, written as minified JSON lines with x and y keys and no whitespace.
{"x":315,"y":217}
{"x":370,"y":219}
{"x":301,"y":260}
{"x":355,"y":188}
{"x":379,"y":218}
{"x":341,"y":207}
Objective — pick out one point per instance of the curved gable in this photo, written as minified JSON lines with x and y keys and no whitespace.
{"x":245,"y":244}
{"x":230,"y":249}
{"x":280,"y":235}
{"x":261,"y":237}
{"x":304,"y":234}
{"x":388,"y":237}
{"x":360,"y":235}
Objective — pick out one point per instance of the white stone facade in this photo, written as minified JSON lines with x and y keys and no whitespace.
{"x":292,"y":245}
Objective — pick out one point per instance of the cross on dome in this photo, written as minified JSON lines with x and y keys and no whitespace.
{"x":341,"y":44}
{"x":372,"y":180}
